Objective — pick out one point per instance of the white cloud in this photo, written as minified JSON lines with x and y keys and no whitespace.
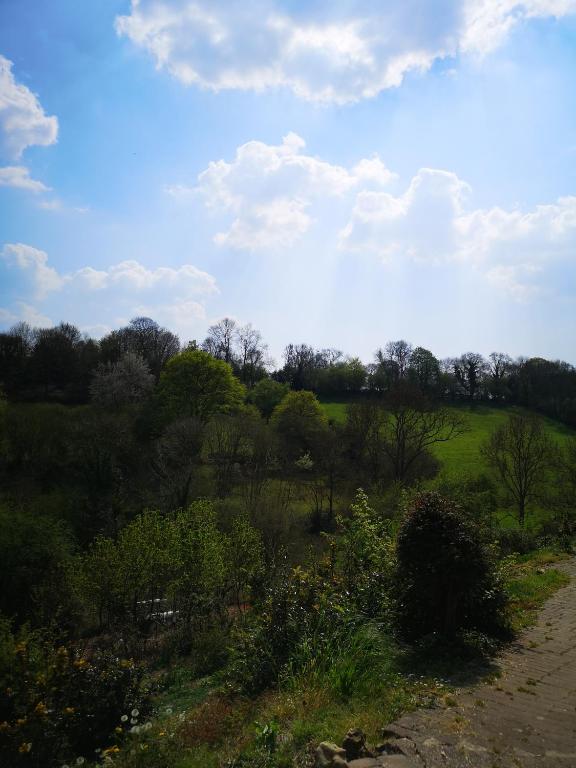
{"x":269,"y":189}
{"x":127,"y":275}
{"x":18,"y":176}
{"x":131,"y":274}
{"x":32,"y":316}
{"x":341,"y":53}
{"x":432,"y":221}
{"x":23,"y":122}
{"x":172,"y":295}
{"x":515,"y":280}
{"x":35,"y":263}
{"x":273,"y":195}
{"x":418,"y":223}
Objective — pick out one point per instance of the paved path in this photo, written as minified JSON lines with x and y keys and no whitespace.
{"x":524,"y":719}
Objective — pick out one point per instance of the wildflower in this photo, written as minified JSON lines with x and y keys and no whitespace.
{"x":133,"y":721}
{"x":4,"y":726}
{"x":69,"y":710}
{"x":162,"y":733}
{"x":169,"y":710}
{"x":135,"y":729}
{"x":80,"y":663}
{"x":123,"y":718}
{"x":117,"y":729}
{"x":21,"y":721}
{"x":114,"y":749}
{"x":40,"y":708}
{"x":80,"y":761}
{"x":25,"y":747}
{"x":135,"y":713}
{"x":126,"y":664}
{"x":147,"y":726}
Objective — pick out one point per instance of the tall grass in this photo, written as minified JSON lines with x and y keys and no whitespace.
{"x":346,"y":662}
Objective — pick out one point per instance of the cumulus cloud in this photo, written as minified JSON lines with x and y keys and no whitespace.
{"x":34,"y":263}
{"x":433,"y":221}
{"x":339,"y":54}
{"x":172,"y":295}
{"x":128,"y":275}
{"x":269,"y":190}
{"x":274,"y":194}
{"x":23,"y":122}
{"x":18,"y":176}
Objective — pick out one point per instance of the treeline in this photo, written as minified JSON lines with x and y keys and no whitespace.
{"x":58,"y":365}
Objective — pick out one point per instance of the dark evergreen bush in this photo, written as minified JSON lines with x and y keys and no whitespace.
{"x":447,"y":581}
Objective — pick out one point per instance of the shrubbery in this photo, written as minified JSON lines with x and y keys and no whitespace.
{"x":447,"y":579}
{"x":58,"y":703}
{"x":304,"y":616}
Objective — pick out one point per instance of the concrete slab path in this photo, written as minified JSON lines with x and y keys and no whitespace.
{"x":526,"y":718}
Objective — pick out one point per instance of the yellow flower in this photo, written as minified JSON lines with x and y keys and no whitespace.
{"x":20,"y":648}
{"x":69,"y":710}
{"x":162,"y":733}
{"x":21,"y":721}
{"x":40,"y":708}
{"x":4,"y":726}
{"x":126,"y":663}
{"x":25,"y":747}
{"x":111,"y":750}
{"x":80,"y":663}
{"x":117,"y":729}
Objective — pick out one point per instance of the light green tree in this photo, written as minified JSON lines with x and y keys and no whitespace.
{"x":195,"y":384}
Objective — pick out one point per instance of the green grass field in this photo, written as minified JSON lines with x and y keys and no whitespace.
{"x":462,"y":455}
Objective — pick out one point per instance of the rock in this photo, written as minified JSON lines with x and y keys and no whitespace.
{"x":355,"y":744}
{"x":330,"y":756}
{"x":364,"y":762}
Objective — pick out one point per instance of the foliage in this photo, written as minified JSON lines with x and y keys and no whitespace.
{"x":447,"y":581}
{"x":267,"y":394}
{"x":172,"y":568}
{"x":366,"y":559}
{"x":59,"y":704}
{"x":305,"y":612}
{"x":300,"y":422}
{"x":194,"y":384}
{"x":33,"y":553}
{"x":124,"y":382}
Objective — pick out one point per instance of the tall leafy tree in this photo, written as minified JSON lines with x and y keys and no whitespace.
{"x":195,"y":384}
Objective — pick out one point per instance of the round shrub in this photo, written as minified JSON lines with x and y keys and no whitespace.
{"x":447,"y":580}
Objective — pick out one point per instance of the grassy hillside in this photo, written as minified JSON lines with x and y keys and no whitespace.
{"x":462,"y":456}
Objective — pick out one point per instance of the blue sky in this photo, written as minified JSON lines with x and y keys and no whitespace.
{"x":336,"y":173}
